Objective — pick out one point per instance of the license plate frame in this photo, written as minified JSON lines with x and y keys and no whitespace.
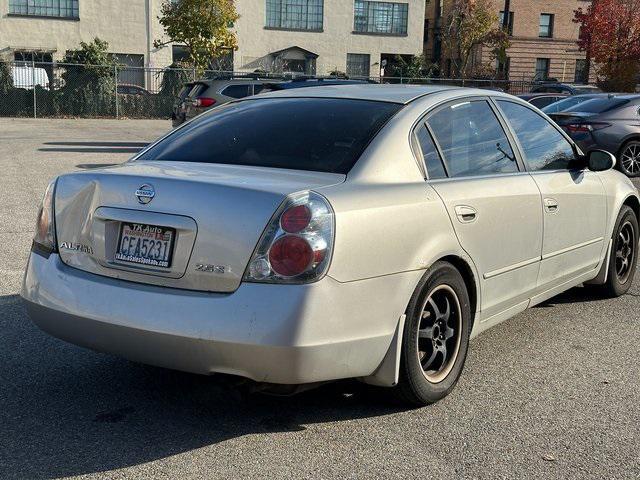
{"x":140,"y":232}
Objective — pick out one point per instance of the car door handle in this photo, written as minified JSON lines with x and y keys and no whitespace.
{"x":465,"y":213}
{"x":551,"y":205}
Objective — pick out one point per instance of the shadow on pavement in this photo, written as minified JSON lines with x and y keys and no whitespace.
{"x":68,"y":411}
{"x":574,"y":295}
{"x":98,"y":144}
{"x":89,"y":166}
{"x":91,"y":149}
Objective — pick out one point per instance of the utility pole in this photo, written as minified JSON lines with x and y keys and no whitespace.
{"x":505,"y":16}
{"x":505,"y":27}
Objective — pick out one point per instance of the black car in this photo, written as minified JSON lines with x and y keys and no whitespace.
{"x":611,"y":123}
{"x":313,"y":82}
{"x":541,"y":100}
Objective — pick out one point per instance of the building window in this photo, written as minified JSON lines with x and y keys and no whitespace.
{"x":546,"y":25}
{"x":426,"y":30}
{"x":581,"y":73}
{"x":381,"y":17}
{"x":509,"y":22}
{"x":542,"y":69}
{"x":358,"y":64}
{"x":295,"y":14}
{"x":179,"y":54}
{"x":44,"y":8}
{"x":502,"y":67}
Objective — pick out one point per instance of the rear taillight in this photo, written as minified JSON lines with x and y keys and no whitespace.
{"x":45,"y":238}
{"x":296,"y":246}
{"x":204,"y":102}
{"x":585,"y":127}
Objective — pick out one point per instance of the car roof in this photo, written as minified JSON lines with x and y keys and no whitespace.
{"x":528,"y":96}
{"x":392,"y":93}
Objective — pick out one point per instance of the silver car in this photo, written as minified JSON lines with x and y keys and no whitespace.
{"x":359,"y":231}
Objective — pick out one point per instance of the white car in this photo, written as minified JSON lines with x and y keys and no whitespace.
{"x":309,"y":235}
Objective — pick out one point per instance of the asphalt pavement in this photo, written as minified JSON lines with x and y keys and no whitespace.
{"x":551,"y":393}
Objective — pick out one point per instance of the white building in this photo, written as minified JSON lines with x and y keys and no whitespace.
{"x":319,"y":36}
{"x":311,"y":36}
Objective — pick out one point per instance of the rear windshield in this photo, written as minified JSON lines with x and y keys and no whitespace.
{"x":561,"y":105}
{"x":598,"y":105}
{"x":319,"y":134}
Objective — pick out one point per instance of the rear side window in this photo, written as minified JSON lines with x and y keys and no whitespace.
{"x":237,"y":91}
{"x":472,"y":140}
{"x":197,"y":90}
{"x":543,"y":146}
{"x":319,"y":134}
{"x":184,"y":91}
{"x":432,"y":160}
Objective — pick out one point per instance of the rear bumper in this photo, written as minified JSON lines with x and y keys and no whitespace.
{"x":288,"y":334}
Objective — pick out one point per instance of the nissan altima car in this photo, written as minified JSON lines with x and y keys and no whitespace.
{"x":359,"y":231}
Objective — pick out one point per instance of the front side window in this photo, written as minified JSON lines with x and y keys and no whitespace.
{"x":295,"y":14}
{"x":543,"y":146}
{"x":471,"y":140}
{"x":318,"y":134}
{"x":44,"y":8}
{"x":546,"y":25}
{"x":381,"y":17}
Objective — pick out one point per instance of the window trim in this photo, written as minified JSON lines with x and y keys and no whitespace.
{"x":576,"y":150}
{"x":506,"y":128}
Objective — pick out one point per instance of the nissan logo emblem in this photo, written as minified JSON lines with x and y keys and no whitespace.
{"x":145,"y":193}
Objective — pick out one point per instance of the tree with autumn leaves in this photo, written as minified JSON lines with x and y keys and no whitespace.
{"x":203,"y":26}
{"x":469,"y":25}
{"x":610,"y":35}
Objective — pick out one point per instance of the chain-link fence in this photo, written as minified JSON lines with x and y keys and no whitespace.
{"x":35,"y":89}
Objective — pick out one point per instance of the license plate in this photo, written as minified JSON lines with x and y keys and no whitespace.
{"x":145,"y":244}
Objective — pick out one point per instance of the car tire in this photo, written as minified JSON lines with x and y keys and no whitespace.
{"x":435,"y":337}
{"x":624,"y":255}
{"x":629,"y":158}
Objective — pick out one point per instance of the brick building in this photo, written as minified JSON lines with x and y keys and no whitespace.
{"x":543,"y":40}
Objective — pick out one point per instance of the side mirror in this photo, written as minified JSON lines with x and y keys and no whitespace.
{"x":600,"y":160}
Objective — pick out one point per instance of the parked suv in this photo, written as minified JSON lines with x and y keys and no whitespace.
{"x":207,"y":94}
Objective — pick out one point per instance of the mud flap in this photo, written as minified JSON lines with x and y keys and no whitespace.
{"x":386,"y":375}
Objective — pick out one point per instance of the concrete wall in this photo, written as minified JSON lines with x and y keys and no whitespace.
{"x":332,"y":44}
{"x":130,"y":26}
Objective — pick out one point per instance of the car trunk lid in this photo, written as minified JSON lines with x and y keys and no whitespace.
{"x":211,"y":216}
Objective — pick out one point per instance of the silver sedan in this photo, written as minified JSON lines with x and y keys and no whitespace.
{"x":316,"y":234}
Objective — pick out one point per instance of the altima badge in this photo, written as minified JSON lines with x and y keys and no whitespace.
{"x":204,"y":267}
{"x":145,"y":193}
{"x":77,"y":247}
